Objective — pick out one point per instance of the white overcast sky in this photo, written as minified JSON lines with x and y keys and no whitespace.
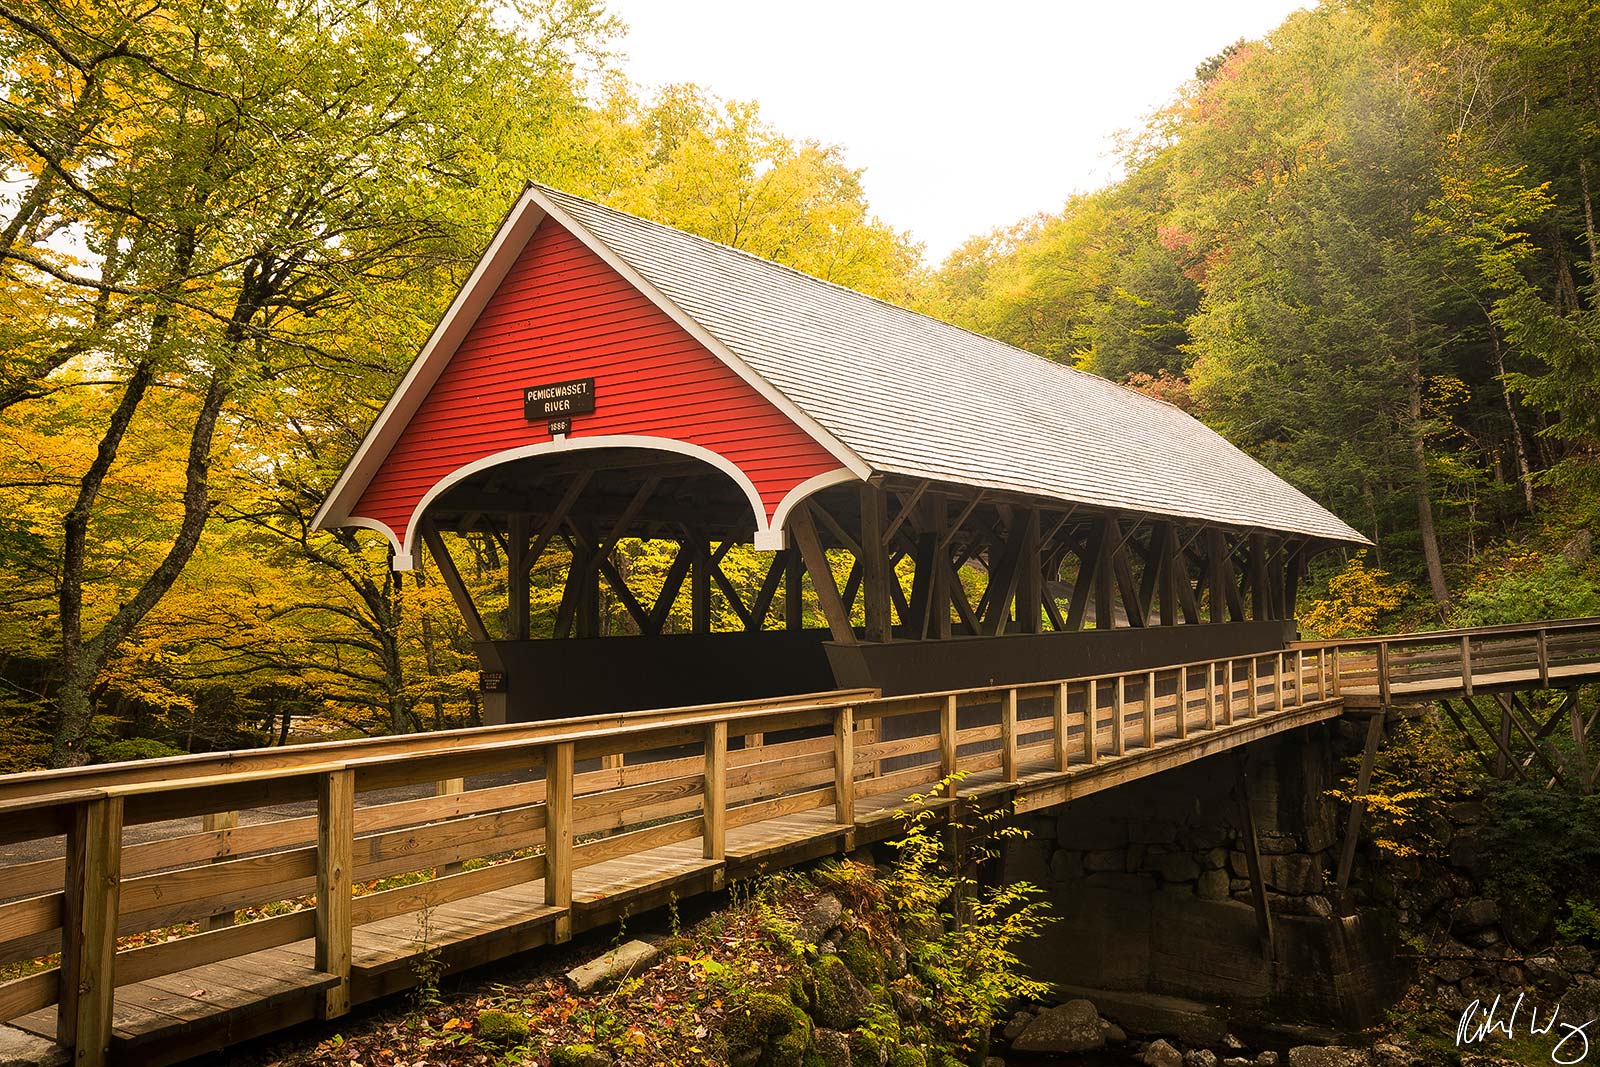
{"x":965,"y":116}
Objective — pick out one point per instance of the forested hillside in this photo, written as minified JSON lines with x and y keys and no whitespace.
{"x":1363,"y":249}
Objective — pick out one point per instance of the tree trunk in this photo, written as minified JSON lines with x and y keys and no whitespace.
{"x":1425,"y":527}
{"x":1518,"y":448}
{"x":1588,"y":219}
{"x":83,"y":660}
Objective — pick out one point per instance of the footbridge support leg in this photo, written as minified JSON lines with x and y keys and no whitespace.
{"x":1358,"y":808}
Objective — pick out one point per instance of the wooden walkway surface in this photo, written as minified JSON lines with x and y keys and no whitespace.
{"x":599,"y":818}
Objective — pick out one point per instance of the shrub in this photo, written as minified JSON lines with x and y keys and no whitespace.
{"x":1526,"y":586}
{"x":502,"y":1029}
{"x":965,"y":952}
{"x":1357,"y":597}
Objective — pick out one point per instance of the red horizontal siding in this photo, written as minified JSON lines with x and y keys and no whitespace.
{"x":561,"y":313}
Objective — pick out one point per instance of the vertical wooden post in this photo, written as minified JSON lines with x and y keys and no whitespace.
{"x":1279,"y":686}
{"x":1299,"y":676}
{"x":89,"y":930}
{"x":1383,"y":673}
{"x":794,"y":614}
{"x":1150,"y":709}
{"x":874,"y":564}
{"x":448,"y":787}
{"x":947,"y":739}
{"x":1183,"y":702}
{"x":1466,"y":664}
{"x":1260,"y":607}
{"x":844,"y":766}
{"x":1543,"y":645}
{"x":212,"y":822}
{"x":932,"y":552}
{"x":1105,"y":574}
{"x":1030,"y":577}
{"x":1216,"y":572}
{"x":1059,"y":731}
{"x":1118,"y":744}
{"x":1091,"y":723}
{"x":1333,"y":668}
{"x":336,"y":834}
{"x":714,"y":795}
{"x":1211,"y":696}
{"x":1227,"y":693}
{"x":1008,"y":735}
{"x":1254,"y":705}
{"x":700,"y":583}
{"x":517,"y":563}
{"x":1322,"y":674}
{"x":558,"y":802}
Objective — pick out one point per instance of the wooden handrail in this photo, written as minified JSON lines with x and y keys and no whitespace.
{"x":206,"y":764}
{"x":1443,"y":636}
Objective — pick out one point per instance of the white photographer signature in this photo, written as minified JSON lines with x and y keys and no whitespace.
{"x":1479,"y":1023}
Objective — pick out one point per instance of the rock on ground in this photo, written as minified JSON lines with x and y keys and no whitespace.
{"x":1332,"y":1056}
{"x":1189,"y":1021}
{"x":1071,"y":1027}
{"x":630,"y":957}
{"x":823,"y":916}
{"x":1161,"y":1054}
{"x":20,"y":1049}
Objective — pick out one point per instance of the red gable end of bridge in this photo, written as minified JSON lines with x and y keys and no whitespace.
{"x":562,"y":313}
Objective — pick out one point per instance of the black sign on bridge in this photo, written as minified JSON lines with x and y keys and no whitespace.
{"x":558,"y":400}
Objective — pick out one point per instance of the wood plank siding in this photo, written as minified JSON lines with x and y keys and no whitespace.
{"x":563,"y":313}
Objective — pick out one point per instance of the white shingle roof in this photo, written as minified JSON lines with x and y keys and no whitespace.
{"x":915,"y":396}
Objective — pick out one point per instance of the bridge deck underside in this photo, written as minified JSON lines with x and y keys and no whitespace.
{"x":182,"y":1014}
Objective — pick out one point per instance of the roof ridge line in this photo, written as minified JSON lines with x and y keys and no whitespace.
{"x":812,"y":278}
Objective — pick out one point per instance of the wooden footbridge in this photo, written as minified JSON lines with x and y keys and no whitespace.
{"x":160,"y":909}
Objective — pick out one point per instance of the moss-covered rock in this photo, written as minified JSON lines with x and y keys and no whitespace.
{"x":772,"y":1025}
{"x":578,"y":1056}
{"x":841,"y":999}
{"x":861,"y":957}
{"x":829,"y":1048}
{"x":906,"y":1056}
{"x":501,"y":1029}
{"x":866,"y":1050}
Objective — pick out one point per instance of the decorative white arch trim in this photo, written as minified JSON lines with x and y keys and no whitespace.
{"x":404,"y":554}
{"x":402,"y":559}
{"x":815,"y":484}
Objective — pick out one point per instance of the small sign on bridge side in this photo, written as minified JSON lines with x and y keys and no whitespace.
{"x":558,"y":400}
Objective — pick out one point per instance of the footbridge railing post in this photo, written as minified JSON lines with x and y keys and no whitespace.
{"x":844,"y":766}
{"x":89,"y":930}
{"x":558,"y":834}
{"x":336,"y":833}
{"x":714,"y":798}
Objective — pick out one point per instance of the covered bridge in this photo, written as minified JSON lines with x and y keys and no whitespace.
{"x":992,"y":516}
